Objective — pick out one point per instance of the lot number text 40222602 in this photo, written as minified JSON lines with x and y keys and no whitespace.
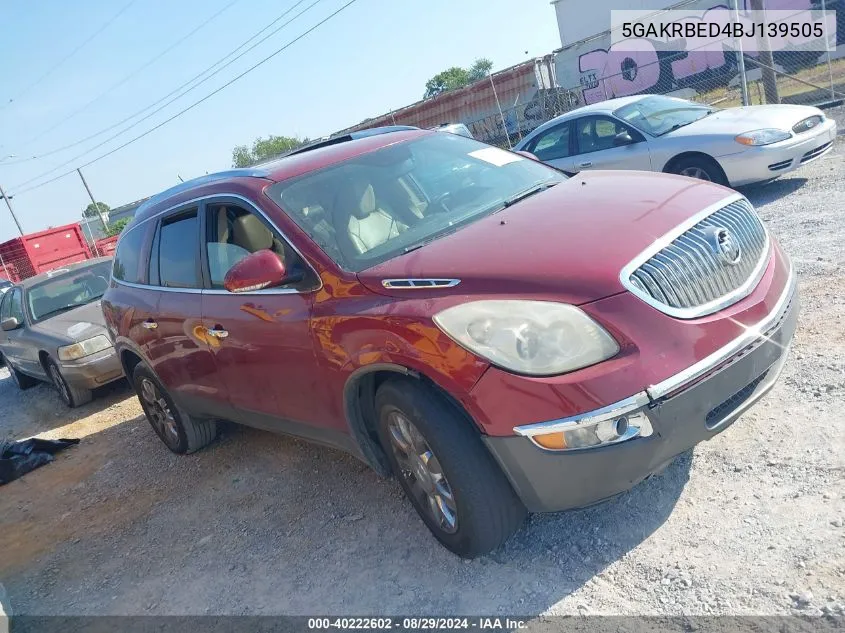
{"x":417,"y":623}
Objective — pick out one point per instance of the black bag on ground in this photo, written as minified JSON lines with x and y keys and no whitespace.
{"x":18,"y":458}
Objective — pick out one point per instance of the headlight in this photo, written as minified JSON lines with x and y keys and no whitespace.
{"x":592,"y":434}
{"x":538,"y":338}
{"x":762,"y":137}
{"x":84,"y":348}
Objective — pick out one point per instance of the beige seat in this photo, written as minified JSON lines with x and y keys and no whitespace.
{"x":361,"y":224}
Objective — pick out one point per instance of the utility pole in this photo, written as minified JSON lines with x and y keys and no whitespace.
{"x":743,"y":80}
{"x":501,"y":114}
{"x":96,"y":206}
{"x":11,"y":210}
{"x":767,"y":62}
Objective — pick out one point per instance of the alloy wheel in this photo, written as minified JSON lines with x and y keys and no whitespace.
{"x":422,"y":471}
{"x":59,"y":383}
{"x":159,"y":413}
{"x":696,"y":172}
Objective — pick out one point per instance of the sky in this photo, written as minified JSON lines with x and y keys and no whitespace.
{"x":372,"y":57}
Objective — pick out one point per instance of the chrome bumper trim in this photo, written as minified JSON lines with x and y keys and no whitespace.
{"x":611,"y":411}
{"x":655,"y":392}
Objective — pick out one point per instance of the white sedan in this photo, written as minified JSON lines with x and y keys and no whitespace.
{"x":735,"y":146}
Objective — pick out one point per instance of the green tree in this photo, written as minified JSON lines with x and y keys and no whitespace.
{"x":264,"y":149}
{"x":117,"y":227}
{"x":91,"y":211}
{"x":480,"y":69}
{"x":457,"y":77}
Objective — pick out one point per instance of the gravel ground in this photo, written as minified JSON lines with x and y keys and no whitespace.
{"x":749,"y":523}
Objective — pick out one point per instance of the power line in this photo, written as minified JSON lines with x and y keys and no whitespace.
{"x":177,"y":97}
{"x":53,"y":68}
{"x":134,"y":73}
{"x":169,"y":94}
{"x":198,"y":102}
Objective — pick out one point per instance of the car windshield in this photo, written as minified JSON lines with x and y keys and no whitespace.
{"x":657,"y":115}
{"x":382,"y":204}
{"x":65,"y":290}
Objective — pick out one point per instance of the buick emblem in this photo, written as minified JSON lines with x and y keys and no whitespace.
{"x":727,"y":247}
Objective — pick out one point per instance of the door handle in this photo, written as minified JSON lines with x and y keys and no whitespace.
{"x":589,"y":163}
{"x":217,"y":332}
{"x":150,"y":325}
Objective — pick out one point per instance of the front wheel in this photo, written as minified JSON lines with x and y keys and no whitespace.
{"x":72,"y":396}
{"x":180,"y":432}
{"x":701,"y":168}
{"x":451,"y":479}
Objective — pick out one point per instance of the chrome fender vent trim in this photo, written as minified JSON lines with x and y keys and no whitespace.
{"x":419,"y":284}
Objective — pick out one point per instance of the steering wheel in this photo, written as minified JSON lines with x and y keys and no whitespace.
{"x":438,"y":205}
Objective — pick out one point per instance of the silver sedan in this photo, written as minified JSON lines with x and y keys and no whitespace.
{"x":734,"y":146}
{"x":53,"y":330}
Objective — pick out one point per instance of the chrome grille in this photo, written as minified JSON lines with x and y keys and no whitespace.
{"x":707,"y":265}
{"x":805,"y":125}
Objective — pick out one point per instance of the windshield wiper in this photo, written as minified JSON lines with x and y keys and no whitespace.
{"x":522,"y":195}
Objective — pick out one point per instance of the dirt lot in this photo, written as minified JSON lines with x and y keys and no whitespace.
{"x":750,"y":523}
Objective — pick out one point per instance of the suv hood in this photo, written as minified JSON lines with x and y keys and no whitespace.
{"x":568,"y":243}
{"x":75,"y":325}
{"x":735,"y":121}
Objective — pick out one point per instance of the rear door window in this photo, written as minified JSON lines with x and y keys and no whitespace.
{"x":178,"y":251}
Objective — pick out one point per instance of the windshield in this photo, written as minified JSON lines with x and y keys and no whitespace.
{"x":657,"y":115}
{"x":68,"y":290}
{"x":380,"y":205}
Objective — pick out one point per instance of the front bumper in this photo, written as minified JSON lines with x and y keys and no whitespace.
{"x":683,"y":410}
{"x":93,"y":371}
{"x":757,"y":164}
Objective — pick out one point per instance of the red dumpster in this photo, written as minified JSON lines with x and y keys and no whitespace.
{"x":23,"y":257}
{"x":105,"y":247}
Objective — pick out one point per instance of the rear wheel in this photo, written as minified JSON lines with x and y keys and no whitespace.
{"x":180,"y":432}
{"x":451,"y":479}
{"x":21,"y":380}
{"x":700,"y":167}
{"x":70,"y":395}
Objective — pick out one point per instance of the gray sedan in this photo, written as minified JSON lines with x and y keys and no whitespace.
{"x":734,"y":146}
{"x":53,"y":330}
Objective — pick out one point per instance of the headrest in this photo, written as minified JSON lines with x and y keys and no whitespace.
{"x":356,"y":197}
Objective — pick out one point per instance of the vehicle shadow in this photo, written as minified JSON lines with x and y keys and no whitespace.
{"x":764,"y":193}
{"x":264,"y":524}
{"x":39,"y":408}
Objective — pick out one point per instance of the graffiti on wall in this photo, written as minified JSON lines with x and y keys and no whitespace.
{"x":605,"y":71}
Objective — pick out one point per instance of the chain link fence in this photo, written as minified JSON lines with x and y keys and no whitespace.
{"x":15,"y":265}
{"x":710,"y":77}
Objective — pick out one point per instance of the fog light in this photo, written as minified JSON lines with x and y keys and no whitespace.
{"x":595,"y":433}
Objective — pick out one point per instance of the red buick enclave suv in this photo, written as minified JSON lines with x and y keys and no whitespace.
{"x":500,"y":337}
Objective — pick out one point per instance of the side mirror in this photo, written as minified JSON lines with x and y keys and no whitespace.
{"x":623,"y":138}
{"x":10,"y":323}
{"x":528,"y":155}
{"x":258,"y":270}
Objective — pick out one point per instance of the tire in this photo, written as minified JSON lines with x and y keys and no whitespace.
{"x":485,"y":508}
{"x":180,"y":432}
{"x":72,"y":396}
{"x":700,"y":167}
{"x":22,"y":381}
